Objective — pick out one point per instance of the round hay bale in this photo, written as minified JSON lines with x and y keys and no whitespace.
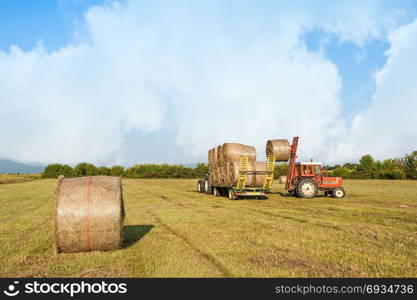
{"x":214,"y":176}
{"x":218,"y":176}
{"x":209,"y":160}
{"x":234,"y":173}
{"x":279,"y":148}
{"x":234,"y":151}
{"x":89,"y":214}
{"x":225,"y":174}
{"x":259,"y":178}
{"x":211,"y":175}
{"x":214,"y":158}
{"x":283,"y":179}
{"x":219,"y":156}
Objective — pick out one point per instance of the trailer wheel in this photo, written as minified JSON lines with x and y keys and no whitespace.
{"x":216,"y":192}
{"x":232,"y":195}
{"x":307,"y":188}
{"x":339,"y":192}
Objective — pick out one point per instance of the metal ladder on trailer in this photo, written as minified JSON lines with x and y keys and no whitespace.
{"x":243,"y":172}
{"x":269,"y":176}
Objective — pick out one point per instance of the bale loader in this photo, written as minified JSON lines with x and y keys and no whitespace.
{"x":306,"y":179}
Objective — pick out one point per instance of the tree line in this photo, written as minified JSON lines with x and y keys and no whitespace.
{"x":136,"y":171}
{"x":367,"y":168}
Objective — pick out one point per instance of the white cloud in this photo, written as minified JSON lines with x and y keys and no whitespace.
{"x":214,"y":78}
{"x":388,"y":127}
{"x":74,"y":104}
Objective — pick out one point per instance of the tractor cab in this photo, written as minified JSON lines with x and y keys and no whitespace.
{"x":305,"y":179}
{"x":309,"y":169}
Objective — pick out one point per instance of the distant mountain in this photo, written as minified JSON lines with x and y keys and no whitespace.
{"x":9,"y":166}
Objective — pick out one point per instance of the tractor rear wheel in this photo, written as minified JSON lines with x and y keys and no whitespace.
{"x":232,"y":195}
{"x":339,"y":192}
{"x":207,"y":187}
{"x":307,"y":188}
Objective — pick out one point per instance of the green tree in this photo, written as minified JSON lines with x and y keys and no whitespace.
{"x":200,"y":170}
{"x":341,"y":172}
{"x":410,"y":165}
{"x":85,"y":169}
{"x":367,"y":166}
{"x":54,"y":170}
{"x":392,"y":169}
{"x":349,"y":166}
{"x":103,"y":171}
{"x":117,"y":171}
{"x":280,"y":170}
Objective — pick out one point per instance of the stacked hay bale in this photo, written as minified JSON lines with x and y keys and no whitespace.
{"x":234,"y":173}
{"x":233,"y":152}
{"x":89,"y":214}
{"x":260,"y":172}
{"x":224,"y":163}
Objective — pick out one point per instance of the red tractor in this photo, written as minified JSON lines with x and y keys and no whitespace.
{"x":306,"y":179}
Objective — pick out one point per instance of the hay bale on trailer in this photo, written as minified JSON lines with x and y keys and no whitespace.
{"x":234,"y":173}
{"x":219,"y":156}
{"x":225,"y":174}
{"x":214,"y":173}
{"x":213,"y":163}
{"x":279,"y":148}
{"x":259,"y":178}
{"x":234,"y":151}
{"x":210,"y":161}
{"x":89,"y":214}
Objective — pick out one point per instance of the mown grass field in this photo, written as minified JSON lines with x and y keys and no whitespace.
{"x":12,"y":178}
{"x":172,"y":231}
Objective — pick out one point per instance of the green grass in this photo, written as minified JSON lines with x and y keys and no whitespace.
{"x":172,"y":231}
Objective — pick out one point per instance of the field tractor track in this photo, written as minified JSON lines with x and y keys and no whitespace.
{"x":211,"y":259}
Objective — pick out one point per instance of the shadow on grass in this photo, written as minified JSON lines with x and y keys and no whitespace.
{"x":133,"y":233}
{"x":288,"y":195}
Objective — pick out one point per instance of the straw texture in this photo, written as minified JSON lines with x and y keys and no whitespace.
{"x":279,"y":148}
{"x":89,"y":214}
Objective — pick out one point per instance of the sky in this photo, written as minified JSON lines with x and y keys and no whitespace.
{"x":127,"y":82}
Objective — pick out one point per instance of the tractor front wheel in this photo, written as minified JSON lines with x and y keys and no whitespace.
{"x":339,"y":192}
{"x":307,"y":188}
{"x":199,"y":186}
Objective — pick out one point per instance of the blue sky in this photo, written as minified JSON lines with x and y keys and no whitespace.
{"x":160,"y":70}
{"x":25,"y":23}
